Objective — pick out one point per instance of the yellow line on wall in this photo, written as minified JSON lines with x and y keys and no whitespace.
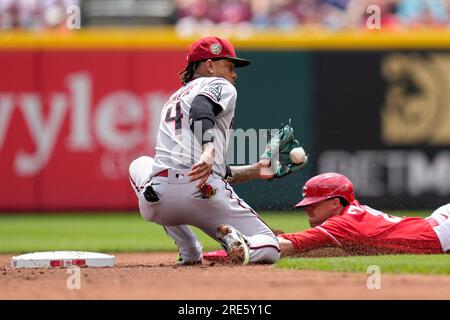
{"x":167,"y":38}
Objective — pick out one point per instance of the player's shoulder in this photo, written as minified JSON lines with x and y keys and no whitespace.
{"x":354,"y":208}
{"x":348,"y":221}
{"x":216,"y":80}
{"x":348,"y":214}
{"x":220,"y":84}
{"x":218,"y":89}
{"x":335,"y":220}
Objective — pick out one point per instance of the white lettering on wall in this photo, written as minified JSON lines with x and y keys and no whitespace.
{"x":43,"y":132}
{"x":120,"y":109}
{"x":80,"y":91}
{"x":378,"y":173}
{"x":6,"y":108}
{"x":155,"y":103}
{"x":425,"y":175}
{"x":121,"y":123}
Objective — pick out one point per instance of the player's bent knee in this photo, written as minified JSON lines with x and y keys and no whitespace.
{"x":263,"y":249}
{"x":132,"y":168}
{"x":142,"y":163}
{"x":273,"y":256}
{"x":267,"y":255}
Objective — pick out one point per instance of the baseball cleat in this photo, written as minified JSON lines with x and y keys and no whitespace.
{"x":182,"y":263}
{"x":234,"y":243}
{"x":189,"y":263}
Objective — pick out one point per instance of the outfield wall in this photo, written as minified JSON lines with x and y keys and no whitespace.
{"x":76,"y":108}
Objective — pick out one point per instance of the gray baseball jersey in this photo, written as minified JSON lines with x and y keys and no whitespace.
{"x":179,"y":203}
{"x":176,"y":145}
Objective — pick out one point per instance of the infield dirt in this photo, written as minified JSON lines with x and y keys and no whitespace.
{"x":156,"y":276}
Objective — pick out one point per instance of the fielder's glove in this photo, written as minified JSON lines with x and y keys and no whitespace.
{"x":278,"y":149}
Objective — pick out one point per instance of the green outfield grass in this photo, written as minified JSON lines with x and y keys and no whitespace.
{"x":125,"y":232}
{"x":424,"y":264}
{"x":128,"y":232}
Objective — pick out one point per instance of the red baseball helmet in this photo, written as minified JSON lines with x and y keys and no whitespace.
{"x":326,"y":186}
{"x":213,"y":48}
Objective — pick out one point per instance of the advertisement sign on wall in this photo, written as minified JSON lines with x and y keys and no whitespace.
{"x":383,"y":119}
{"x":72,"y":121}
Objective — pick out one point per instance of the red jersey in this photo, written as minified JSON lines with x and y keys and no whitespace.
{"x":362,"y":230}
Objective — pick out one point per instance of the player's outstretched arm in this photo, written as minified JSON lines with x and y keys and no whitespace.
{"x":259,"y":170}
{"x":286,"y":247}
{"x":283,"y":155}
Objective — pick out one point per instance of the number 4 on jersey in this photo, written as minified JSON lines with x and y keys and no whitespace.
{"x":177,"y":118}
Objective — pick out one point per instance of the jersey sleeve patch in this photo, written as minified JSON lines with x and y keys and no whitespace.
{"x":215,"y":91}
{"x":220,"y":92}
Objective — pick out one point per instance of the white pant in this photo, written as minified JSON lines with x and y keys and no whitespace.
{"x":442,"y":217}
{"x":181,"y":204}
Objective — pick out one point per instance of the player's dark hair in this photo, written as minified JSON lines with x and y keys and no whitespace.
{"x":187,"y":74}
{"x":343,"y":202}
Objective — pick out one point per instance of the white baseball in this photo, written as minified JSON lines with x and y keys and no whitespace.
{"x":297,"y":155}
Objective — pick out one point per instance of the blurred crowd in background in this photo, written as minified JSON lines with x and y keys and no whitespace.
{"x":330,"y":14}
{"x":254,"y":14}
{"x":34,"y":14}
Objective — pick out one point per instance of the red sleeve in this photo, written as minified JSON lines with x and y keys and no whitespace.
{"x":343,"y":227}
{"x":310,"y":239}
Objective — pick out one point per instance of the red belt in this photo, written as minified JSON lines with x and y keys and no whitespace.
{"x":164,"y":173}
